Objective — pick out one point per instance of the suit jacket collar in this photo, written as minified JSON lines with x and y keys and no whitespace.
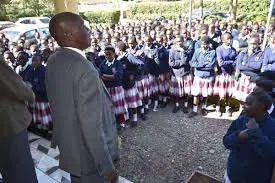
{"x":81,"y":52}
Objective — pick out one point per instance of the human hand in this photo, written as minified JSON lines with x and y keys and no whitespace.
{"x":254,"y":133}
{"x":243,"y":135}
{"x":111,"y":176}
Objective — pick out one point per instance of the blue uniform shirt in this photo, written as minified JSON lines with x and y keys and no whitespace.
{"x":179,"y":61}
{"x":37,"y":78}
{"x":269,"y":60}
{"x":226,"y":57}
{"x":151,"y":59}
{"x":204,"y":63}
{"x":163,"y":56}
{"x":115,"y":69}
{"x":251,"y":161}
{"x":250,"y":65}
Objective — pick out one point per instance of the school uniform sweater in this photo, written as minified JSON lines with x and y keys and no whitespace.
{"x":115,"y":68}
{"x":251,"y":161}
{"x":179,"y":61}
{"x":36,"y":76}
{"x":163,"y":56}
{"x":204,"y":62}
{"x":226,"y":57}
{"x":151,"y":59}
{"x":131,"y":70}
{"x":269,"y":60}
{"x":250,"y":65}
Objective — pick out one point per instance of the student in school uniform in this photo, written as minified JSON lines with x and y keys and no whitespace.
{"x":240,"y":42}
{"x":181,"y":80}
{"x":40,"y":109}
{"x":269,"y":56}
{"x":152,"y":62}
{"x":142,"y":80}
{"x":248,"y":67}
{"x":224,"y":82}
{"x":251,"y":141}
{"x":267,"y":86}
{"x":111,"y":72}
{"x":130,"y":72}
{"x":203,"y":61}
{"x":164,"y":71}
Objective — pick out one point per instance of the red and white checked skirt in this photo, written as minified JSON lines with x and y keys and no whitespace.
{"x":243,"y":88}
{"x":164,"y":83}
{"x":41,"y":115}
{"x":180,"y":86}
{"x":118,"y":99}
{"x":143,"y":87}
{"x":202,"y":86}
{"x":224,"y":85}
{"x":154,"y":86}
{"x":132,"y":98}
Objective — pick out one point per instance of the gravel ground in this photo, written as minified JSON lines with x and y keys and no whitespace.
{"x":168,"y":147}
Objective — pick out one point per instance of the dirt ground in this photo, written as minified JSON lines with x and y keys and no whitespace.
{"x":168,"y":147}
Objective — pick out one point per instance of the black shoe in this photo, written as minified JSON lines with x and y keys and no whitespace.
{"x":204,"y":112}
{"x":176,"y":109}
{"x":127,"y":122}
{"x":192,"y":114}
{"x":134,"y":124}
{"x":185,"y":110}
{"x":143,"y":117}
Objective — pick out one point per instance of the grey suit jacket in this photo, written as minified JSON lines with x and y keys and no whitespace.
{"x":84,"y":124}
{"x":14,"y":95}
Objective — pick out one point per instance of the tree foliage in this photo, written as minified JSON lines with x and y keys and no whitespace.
{"x":15,"y":9}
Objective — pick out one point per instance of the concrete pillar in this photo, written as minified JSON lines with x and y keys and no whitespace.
{"x":66,"y":6}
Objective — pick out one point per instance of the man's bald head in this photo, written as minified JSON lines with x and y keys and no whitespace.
{"x":68,"y":30}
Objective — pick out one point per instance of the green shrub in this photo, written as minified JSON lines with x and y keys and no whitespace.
{"x":105,"y":17}
{"x":247,"y":9}
{"x":153,"y":9}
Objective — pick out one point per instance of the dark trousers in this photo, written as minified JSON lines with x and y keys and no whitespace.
{"x":16,"y":164}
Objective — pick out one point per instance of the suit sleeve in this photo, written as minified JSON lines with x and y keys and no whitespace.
{"x":89,"y":105}
{"x":15,"y":85}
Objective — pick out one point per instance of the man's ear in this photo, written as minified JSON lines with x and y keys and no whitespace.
{"x":261,"y":106}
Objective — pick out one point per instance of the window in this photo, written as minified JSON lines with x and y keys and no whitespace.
{"x":26,"y":21}
{"x":30,"y":34}
{"x":45,"y":20}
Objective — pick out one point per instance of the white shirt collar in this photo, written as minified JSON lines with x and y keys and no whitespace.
{"x":78,"y":51}
{"x":110,"y":63}
{"x":270,"y":110}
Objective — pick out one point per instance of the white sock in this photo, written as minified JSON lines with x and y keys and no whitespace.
{"x":195,"y":108}
{"x":149,"y":101}
{"x":156,"y":104}
{"x":177,"y":104}
{"x":227,"y":108}
{"x":146,"y":106}
{"x":218,"y":108}
{"x":126,"y":116}
{"x":164,"y":99}
{"x":185,"y":104}
{"x":142,"y":110}
{"x":135,"y":117}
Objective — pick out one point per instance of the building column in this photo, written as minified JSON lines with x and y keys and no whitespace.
{"x":66,"y":6}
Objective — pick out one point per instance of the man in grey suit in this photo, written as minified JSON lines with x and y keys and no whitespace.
{"x":84,"y":124}
{"x":16,"y":164}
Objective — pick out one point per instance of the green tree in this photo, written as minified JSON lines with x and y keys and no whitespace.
{"x":24,"y":8}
